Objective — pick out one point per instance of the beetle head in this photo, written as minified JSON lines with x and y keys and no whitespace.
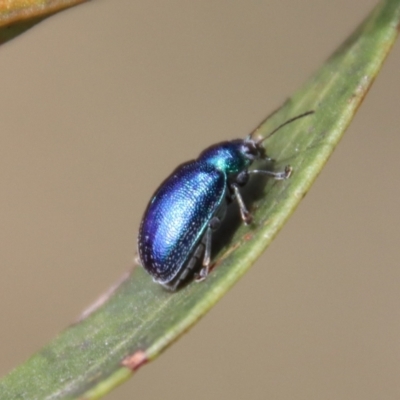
{"x":253,"y":149}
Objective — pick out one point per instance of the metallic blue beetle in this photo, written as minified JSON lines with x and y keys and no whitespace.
{"x":177,"y":226}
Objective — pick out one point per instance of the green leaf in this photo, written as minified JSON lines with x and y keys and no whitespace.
{"x":138,"y":320}
{"x":17,"y":16}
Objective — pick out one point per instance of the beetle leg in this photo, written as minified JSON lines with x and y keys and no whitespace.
{"x":207,"y":252}
{"x":188,"y":268}
{"x":244,"y":212}
{"x":278,"y":175}
{"x":242,"y":178}
{"x":212,"y":226}
{"x":207,"y":257}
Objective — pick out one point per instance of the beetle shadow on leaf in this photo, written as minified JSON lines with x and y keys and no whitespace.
{"x":251,"y":193}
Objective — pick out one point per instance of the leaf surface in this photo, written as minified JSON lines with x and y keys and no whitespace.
{"x":139,"y":319}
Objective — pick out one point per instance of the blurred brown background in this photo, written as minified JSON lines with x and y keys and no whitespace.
{"x":100,"y":102}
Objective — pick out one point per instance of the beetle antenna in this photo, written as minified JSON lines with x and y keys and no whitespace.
{"x":284,"y":124}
